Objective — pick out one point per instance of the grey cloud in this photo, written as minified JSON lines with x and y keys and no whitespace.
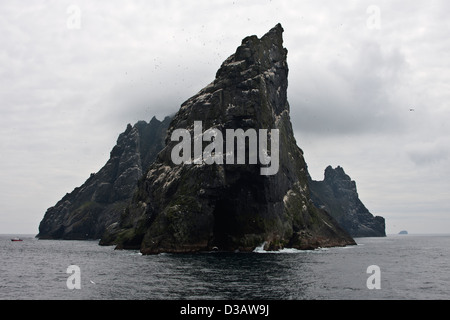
{"x":425,"y":157}
{"x":430,"y":153}
{"x":355,"y":94}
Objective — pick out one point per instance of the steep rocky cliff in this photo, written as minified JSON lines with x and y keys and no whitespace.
{"x":337,"y":195}
{"x":197,"y":206}
{"x":86,"y":211}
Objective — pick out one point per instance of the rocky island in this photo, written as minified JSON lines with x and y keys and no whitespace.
{"x":142,"y":200}
{"x":198,"y":207}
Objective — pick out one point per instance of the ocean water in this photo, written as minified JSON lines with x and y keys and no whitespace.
{"x":410,"y":267}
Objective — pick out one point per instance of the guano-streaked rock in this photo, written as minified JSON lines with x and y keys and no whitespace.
{"x":190,"y":208}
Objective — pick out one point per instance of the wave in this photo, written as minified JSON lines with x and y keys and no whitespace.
{"x":260,"y":249}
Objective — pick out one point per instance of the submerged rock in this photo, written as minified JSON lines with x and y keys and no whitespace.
{"x":89,"y":209}
{"x":194,"y":207}
{"x":337,"y":195}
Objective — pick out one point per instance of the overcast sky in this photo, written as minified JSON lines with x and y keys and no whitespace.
{"x":75,"y":73}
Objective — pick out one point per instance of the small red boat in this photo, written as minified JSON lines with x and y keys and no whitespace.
{"x":16,"y":239}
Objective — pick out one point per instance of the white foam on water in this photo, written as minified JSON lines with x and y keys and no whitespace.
{"x":260,"y":249}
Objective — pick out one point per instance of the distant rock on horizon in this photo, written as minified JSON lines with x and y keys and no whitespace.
{"x":403,"y":232}
{"x":89,"y":209}
{"x":337,"y":195}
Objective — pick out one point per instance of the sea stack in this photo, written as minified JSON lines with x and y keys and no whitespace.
{"x":191,"y":207}
{"x":337,"y":195}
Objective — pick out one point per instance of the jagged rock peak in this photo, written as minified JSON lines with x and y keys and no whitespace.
{"x":258,"y":67}
{"x":337,"y":173}
{"x":261,"y":54}
{"x":337,"y":194}
{"x":89,"y":209}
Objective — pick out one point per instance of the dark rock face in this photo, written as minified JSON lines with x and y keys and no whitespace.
{"x":337,"y":195}
{"x":196,"y":207}
{"x":86,"y":211}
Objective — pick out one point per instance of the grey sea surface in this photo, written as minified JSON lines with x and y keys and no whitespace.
{"x":410,"y":267}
